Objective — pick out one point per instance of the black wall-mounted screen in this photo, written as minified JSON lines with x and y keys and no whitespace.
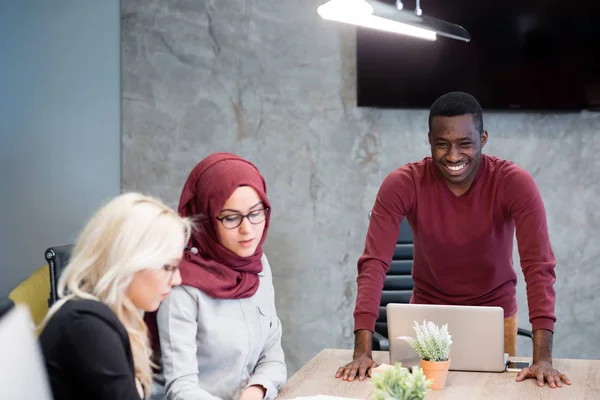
{"x":524,"y":54}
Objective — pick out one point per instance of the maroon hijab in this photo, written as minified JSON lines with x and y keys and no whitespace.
{"x":212,"y":268}
{"x":206,"y":264}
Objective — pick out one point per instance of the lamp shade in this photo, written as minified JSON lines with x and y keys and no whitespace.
{"x":378,"y":15}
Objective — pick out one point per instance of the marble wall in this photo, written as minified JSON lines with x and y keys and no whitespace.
{"x":273,"y":82}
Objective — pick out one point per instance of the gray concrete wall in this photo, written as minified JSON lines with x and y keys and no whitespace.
{"x":274,"y":83}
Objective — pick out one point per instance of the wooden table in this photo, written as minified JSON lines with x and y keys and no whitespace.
{"x":318,"y":377}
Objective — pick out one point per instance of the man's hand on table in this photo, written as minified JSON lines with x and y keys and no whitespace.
{"x":541,"y":369}
{"x":360,"y":367}
{"x":362,"y":359}
{"x":543,"y":372}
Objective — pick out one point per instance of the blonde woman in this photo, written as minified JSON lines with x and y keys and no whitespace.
{"x":125,"y":262}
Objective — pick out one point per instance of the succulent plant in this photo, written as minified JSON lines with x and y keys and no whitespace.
{"x":399,"y":383}
{"x":431,"y":343}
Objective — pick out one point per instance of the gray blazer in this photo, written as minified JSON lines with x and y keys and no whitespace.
{"x":215,"y":348}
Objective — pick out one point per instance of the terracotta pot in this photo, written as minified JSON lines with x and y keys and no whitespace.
{"x":436,"y":371}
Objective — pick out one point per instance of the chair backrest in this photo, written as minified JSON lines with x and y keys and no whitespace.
{"x":33,"y":292}
{"x":57,"y":257}
{"x":398,"y":284}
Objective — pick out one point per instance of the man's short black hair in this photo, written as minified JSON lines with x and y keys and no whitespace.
{"x":453,"y":104}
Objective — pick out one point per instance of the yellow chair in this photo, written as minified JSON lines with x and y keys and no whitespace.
{"x":34,"y":292}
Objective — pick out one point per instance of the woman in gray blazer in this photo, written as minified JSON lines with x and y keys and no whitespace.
{"x":220,"y":337}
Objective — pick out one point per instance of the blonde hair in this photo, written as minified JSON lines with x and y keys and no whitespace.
{"x":131,"y":233}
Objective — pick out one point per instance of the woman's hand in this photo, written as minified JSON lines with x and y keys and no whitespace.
{"x":253,"y":392}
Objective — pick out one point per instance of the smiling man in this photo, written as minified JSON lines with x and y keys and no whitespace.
{"x":463,"y":208}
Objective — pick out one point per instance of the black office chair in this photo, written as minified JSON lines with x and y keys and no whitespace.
{"x":57,"y":257}
{"x":6,"y":305}
{"x":398,"y":286}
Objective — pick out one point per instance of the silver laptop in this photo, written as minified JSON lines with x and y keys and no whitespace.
{"x":477,"y":334}
{"x":22,"y":370}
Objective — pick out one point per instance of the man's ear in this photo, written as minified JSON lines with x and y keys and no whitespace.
{"x":484,"y":138}
{"x":429,"y":137}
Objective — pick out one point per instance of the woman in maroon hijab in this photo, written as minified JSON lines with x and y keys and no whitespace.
{"x":220,"y":336}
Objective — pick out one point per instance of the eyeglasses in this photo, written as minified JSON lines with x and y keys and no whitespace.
{"x":232,"y":221}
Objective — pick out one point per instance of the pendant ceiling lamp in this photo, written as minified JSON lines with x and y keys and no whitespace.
{"x":391,"y":18}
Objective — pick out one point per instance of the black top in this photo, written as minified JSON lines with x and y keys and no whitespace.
{"x":88,"y":354}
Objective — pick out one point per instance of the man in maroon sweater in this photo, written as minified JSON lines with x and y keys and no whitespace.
{"x":463,"y":208}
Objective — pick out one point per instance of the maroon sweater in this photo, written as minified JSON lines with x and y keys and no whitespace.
{"x":462,"y":245}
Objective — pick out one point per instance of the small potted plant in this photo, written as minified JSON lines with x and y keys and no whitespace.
{"x":398,"y":383}
{"x":432,"y":344}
